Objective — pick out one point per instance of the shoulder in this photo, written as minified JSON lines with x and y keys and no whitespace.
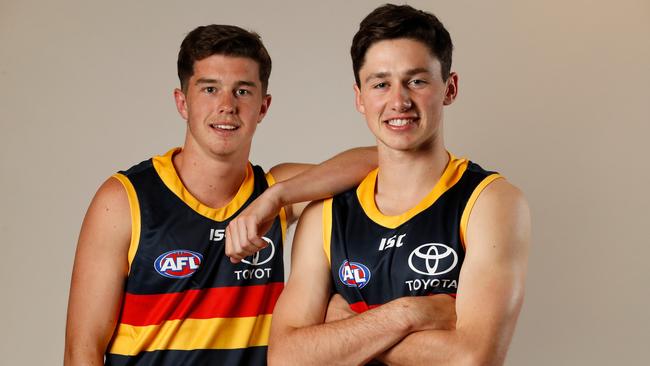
{"x":110,"y":206}
{"x":284,"y":171}
{"x":500,"y":218}
{"x":310,"y":224}
{"x":501,"y":195}
{"x":113,"y":191}
{"x":107,"y":225}
{"x":313,"y":213}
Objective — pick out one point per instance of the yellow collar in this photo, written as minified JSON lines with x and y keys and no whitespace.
{"x":165,"y":169}
{"x":366,"y":194}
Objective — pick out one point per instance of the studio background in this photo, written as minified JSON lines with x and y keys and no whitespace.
{"x":554,"y":95}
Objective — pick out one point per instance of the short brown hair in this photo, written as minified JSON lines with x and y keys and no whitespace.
{"x":401,"y":21}
{"x":227,"y":40}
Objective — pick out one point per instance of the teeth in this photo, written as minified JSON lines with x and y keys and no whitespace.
{"x":225,"y":127}
{"x":398,"y":122}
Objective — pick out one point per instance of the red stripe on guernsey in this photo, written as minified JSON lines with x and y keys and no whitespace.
{"x":221,"y":302}
{"x":361,"y":306}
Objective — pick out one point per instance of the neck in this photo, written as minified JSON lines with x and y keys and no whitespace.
{"x":406,"y":177}
{"x":214,"y":181}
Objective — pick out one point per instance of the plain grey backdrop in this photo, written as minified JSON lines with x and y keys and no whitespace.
{"x":554,"y":95}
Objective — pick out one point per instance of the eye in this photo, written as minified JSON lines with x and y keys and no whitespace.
{"x":242,"y":92}
{"x":209,"y":90}
{"x":380,"y":85}
{"x":417,"y":82}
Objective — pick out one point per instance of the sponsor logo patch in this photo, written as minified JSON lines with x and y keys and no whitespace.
{"x":353,"y":274}
{"x":263,"y":256}
{"x":178,"y":263}
{"x":433,"y":259}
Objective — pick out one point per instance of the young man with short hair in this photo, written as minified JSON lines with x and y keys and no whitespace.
{"x":151,"y":284}
{"x":427,"y":256}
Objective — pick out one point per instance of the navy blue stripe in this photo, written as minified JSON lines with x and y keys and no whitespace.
{"x":247,"y":356}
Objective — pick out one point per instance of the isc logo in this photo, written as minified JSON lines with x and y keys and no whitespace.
{"x":393,"y":241}
{"x":354,"y":274}
{"x":217,"y":234}
{"x":178,"y":263}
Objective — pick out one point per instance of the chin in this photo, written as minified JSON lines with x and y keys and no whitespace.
{"x":399,"y":144}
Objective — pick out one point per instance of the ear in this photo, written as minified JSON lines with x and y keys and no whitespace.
{"x":358,"y":102}
{"x":266,"y":103}
{"x":452,"y":89}
{"x":181,"y":103}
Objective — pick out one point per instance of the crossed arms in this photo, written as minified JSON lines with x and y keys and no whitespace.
{"x":412,"y":330}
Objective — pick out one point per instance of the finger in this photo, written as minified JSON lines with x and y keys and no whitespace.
{"x":228,"y":246}
{"x":231,"y":251}
{"x":244,"y":248}
{"x":253,"y":237}
{"x":238,"y":253}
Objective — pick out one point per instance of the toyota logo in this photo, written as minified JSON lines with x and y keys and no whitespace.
{"x":433,"y":259}
{"x":263,"y":256}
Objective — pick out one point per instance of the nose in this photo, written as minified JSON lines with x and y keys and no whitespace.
{"x":227,"y":103}
{"x":400,"y":99}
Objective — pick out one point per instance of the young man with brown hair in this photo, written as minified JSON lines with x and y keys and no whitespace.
{"x":151,"y":283}
{"x":427,"y":256}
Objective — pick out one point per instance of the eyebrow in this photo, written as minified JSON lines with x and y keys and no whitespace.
{"x":377,"y":75}
{"x":206,"y":81}
{"x":418,"y":70}
{"x":410,"y":72}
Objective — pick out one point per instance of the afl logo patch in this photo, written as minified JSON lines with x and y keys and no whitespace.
{"x":353,"y":274}
{"x":178,"y":263}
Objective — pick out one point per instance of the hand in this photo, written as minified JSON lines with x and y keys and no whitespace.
{"x":338,"y":309}
{"x":429,"y":312}
{"x":244,"y":232}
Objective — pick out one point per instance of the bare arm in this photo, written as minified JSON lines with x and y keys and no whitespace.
{"x":491,"y":287}
{"x":298,"y":335}
{"x":100,"y":269}
{"x":441,"y":306}
{"x":297,"y":184}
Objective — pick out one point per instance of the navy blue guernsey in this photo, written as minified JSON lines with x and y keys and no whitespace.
{"x":376,"y":258}
{"x":184,"y":302}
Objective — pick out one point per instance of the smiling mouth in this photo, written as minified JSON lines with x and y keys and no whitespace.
{"x":224,"y":127}
{"x":400,"y":122}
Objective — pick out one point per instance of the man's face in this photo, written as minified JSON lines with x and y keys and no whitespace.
{"x":223,"y":104}
{"x":402,"y":94}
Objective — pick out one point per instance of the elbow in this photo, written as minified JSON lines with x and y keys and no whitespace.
{"x":276,"y":354}
{"x":277,"y":357}
{"x":80,"y":349}
{"x":285,"y":348}
{"x":273,"y":358}
{"x":478,"y":356}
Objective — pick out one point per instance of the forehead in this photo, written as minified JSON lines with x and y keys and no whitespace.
{"x":399,"y":55}
{"x":225,"y":68}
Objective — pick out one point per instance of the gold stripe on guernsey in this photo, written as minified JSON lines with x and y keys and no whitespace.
{"x":327,"y":229}
{"x":283,"y":214}
{"x":191,"y":334}
{"x":165,"y":169}
{"x":366,"y":194}
{"x":134,"y":206}
{"x":464,"y":219}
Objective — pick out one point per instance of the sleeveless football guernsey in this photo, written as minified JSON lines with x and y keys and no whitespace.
{"x":184,"y":302}
{"x":376,"y":258}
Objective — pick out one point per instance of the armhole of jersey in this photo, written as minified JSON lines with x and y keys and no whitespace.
{"x":327,"y":229}
{"x":464,"y":219}
{"x":283,"y":213}
{"x":135,"y":215}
